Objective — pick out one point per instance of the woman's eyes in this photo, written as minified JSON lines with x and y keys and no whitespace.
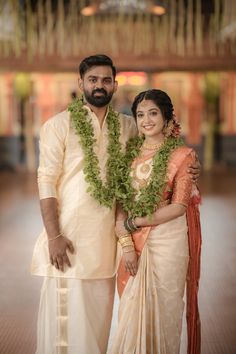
{"x":140,"y":115}
{"x":152,"y":114}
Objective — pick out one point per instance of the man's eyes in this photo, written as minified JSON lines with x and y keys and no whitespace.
{"x":105,"y":81}
{"x":93,"y":79}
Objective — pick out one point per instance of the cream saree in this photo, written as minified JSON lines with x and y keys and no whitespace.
{"x":151,"y":306}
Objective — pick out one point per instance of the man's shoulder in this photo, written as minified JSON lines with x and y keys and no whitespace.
{"x":57,"y":125}
{"x":125,"y":116}
{"x":127,"y":120}
{"x":128,"y":126}
{"x":58,"y":119}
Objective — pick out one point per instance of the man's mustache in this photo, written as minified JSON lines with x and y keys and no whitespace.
{"x":99,"y":91}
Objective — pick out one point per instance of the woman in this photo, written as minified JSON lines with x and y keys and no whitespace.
{"x":158,"y":229}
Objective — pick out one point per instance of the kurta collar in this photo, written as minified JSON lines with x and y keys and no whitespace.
{"x":95,"y":116}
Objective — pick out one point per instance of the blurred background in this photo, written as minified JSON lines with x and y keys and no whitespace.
{"x":185,"y":47}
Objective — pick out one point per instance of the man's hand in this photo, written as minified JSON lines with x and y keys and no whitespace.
{"x":195,"y":169}
{"x":131,"y":262}
{"x":57,"y":252}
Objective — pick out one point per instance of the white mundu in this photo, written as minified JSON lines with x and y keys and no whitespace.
{"x":80,"y":299}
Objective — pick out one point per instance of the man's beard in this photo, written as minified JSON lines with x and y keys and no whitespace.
{"x":98,"y":101}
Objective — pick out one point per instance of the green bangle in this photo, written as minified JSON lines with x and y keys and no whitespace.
{"x":127,"y":226}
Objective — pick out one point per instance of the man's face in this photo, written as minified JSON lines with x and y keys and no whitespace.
{"x":98,"y":85}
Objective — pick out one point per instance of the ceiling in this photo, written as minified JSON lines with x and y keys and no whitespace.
{"x":54,"y":30}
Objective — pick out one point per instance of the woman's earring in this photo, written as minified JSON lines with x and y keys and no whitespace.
{"x":168,"y":129}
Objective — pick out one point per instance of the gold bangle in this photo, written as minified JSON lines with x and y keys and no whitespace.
{"x":125,"y":240}
{"x":127,"y":243}
{"x":124,"y":235}
{"x":54,"y":238}
{"x":128,"y":249}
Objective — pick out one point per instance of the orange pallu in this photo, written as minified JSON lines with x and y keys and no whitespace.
{"x":193,"y":275}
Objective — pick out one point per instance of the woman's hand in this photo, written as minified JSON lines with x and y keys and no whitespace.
{"x":131,"y":262}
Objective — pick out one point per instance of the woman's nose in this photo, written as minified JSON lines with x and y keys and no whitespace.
{"x":146,"y":118}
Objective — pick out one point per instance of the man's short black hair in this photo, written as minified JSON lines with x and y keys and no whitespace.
{"x":96,"y":60}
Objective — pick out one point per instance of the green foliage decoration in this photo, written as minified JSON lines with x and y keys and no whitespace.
{"x":103,"y":192}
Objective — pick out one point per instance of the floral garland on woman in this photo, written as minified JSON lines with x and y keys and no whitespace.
{"x":150,"y":196}
{"x":103,"y":192}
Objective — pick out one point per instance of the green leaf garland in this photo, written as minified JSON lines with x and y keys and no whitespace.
{"x":150,"y":195}
{"x":103,"y":192}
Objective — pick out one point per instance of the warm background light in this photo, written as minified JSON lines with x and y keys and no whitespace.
{"x":131,"y":78}
{"x":89,"y":10}
{"x":158,"y":10}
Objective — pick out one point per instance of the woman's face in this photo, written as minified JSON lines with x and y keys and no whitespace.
{"x":150,"y":120}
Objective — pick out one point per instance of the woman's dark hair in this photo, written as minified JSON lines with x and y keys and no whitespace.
{"x":161,"y":100}
{"x":96,"y":60}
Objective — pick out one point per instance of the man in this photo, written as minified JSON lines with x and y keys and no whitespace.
{"x":76,"y":253}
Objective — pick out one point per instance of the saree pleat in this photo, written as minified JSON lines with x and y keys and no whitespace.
{"x":151,"y":307}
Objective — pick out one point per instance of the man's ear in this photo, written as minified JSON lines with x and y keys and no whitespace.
{"x":115,"y":86}
{"x":81,"y":85}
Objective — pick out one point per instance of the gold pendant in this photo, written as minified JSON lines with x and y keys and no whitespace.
{"x":145,"y":168}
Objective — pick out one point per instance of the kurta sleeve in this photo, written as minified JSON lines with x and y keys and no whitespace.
{"x":52,"y":147}
{"x":183,"y":183}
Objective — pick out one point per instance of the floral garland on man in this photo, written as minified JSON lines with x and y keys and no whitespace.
{"x":103,"y":192}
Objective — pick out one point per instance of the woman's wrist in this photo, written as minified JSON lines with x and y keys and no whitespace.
{"x":130,"y":225}
{"x":138,"y":221}
{"x":126,"y":243}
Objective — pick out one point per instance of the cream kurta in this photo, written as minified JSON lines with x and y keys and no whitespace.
{"x":83,"y":220}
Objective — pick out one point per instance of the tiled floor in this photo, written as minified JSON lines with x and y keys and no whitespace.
{"x":20,"y":224}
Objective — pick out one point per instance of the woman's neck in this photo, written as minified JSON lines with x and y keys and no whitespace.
{"x":156,"y":140}
{"x":151,"y":145}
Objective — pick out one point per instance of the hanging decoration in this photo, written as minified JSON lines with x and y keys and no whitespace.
{"x":66,"y":29}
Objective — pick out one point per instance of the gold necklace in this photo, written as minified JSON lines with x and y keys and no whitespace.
{"x":147,"y":146}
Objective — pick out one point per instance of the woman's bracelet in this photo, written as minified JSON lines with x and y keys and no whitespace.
{"x":129,"y":224}
{"x":124,"y":236}
{"x":54,"y":238}
{"x":128,"y":249}
{"x":126,"y":241}
{"x":127,"y":244}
